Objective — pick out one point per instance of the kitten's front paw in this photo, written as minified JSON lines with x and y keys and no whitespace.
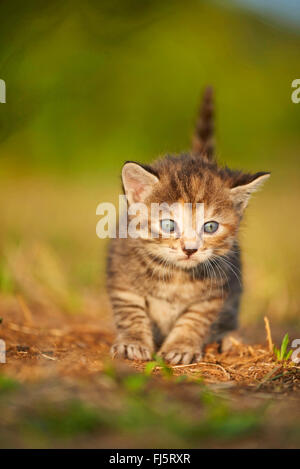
{"x":130,"y":351}
{"x":177,"y":356}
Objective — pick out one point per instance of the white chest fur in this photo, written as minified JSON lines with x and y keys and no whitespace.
{"x":169,"y":300}
{"x":164,"y":313}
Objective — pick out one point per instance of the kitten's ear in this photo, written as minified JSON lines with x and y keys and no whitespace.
{"x":138,"y":181}
{"x":242,"y":191}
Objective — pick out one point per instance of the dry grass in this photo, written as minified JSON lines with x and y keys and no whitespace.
{"x":58,"y":366}
{"x":79,"y":346}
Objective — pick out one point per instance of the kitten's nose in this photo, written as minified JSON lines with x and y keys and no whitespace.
{"x":189,"y":252}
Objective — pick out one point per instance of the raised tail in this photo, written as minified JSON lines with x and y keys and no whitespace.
{"x":203,"y":140}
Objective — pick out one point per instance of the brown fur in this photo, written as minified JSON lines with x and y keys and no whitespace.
{"x":162,"y":300}
{"x":203,"y":143}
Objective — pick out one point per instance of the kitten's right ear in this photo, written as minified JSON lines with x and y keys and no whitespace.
{"x":138,"y":181}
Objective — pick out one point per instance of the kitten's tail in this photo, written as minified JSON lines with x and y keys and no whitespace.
{"x":203,"y":140}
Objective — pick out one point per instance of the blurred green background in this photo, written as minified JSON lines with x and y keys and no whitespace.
{"x":92,"y":84}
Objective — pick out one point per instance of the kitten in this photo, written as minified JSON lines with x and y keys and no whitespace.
{"x":174,"y":294}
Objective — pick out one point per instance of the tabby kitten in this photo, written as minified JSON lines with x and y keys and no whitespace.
{"x":174,"y":294}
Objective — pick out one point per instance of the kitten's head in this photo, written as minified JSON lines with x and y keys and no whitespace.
{"x":193,"y":207}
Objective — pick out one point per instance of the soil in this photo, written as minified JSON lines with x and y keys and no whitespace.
{"x":56,"y":357}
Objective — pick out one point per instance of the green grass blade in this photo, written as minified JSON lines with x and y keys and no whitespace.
{"x":284,"y":345}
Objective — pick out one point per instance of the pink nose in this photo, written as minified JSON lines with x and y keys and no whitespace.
{"x":189,"y":252}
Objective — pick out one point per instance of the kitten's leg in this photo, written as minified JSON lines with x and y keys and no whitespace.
{"x":185,"y":342}
{"x":134,"y":334}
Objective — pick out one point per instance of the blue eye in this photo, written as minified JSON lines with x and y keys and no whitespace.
{"x":211,"y":227}
{"x":168,"y":226}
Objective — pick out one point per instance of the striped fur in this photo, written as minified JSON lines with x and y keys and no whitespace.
{"x":203,"y":141}
{"x":163,"y":301}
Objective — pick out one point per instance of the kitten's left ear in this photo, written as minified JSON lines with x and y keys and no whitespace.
{"x":242,"y":192}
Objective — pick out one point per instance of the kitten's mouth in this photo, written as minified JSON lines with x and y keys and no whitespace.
{"x":186,"y":258}
{"x":194,"y":260}
{"x":189,"y":261}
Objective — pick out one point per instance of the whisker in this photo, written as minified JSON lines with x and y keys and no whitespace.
{"x":234,"y":269}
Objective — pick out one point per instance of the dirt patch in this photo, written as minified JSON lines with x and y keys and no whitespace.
{"x":54,"y":362}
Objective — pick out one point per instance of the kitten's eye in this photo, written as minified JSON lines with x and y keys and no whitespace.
{"x":168,"y":226}
{"x":211,"y":227}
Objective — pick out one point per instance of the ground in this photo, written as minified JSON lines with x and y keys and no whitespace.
{"x":59,"y":388}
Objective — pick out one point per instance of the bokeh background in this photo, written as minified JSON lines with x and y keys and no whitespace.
{"x":92,"y":84}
